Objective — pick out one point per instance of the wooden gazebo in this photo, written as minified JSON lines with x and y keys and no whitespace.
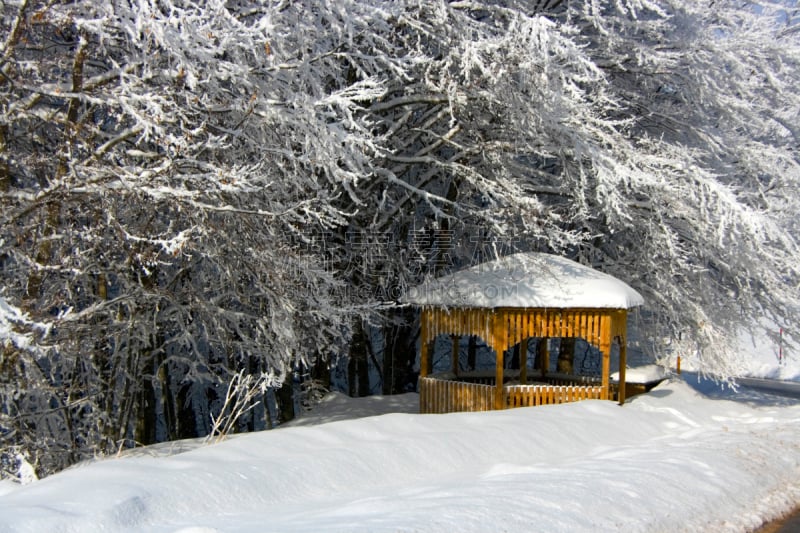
{"x":507,"y":302}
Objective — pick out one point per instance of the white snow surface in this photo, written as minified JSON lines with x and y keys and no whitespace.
{"x":681,"y":458}
{"x":642,"y":374}
{"x":527,"y":279}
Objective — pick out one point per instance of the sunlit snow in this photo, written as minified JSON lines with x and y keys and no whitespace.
{"x":527,"y":280}
{"x":688,"y":456}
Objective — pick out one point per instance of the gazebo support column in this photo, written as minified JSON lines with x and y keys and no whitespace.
{"x":622,"y":364}
{"x":498,"y":391}
{"x":605,"y":352}
{"x":499,"y":343}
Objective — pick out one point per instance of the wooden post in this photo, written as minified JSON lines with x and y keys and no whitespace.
{"x":499,"y":342}
{"x":622,"y":364}
{"x":605,"y":350}
{"x":523,"y":361}
{"x":498,"y":393}
{"x":454,"y":358}
{"x":423,"y":342}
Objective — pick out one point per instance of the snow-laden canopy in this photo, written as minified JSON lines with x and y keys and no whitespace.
{"x":526,"y":280}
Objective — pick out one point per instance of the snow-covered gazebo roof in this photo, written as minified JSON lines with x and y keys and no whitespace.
{"x":526,"y":280}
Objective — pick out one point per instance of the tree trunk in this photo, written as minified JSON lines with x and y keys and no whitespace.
{"x":542,"y":361}
{"x":321,"y":372}
{"x":358,"y":364}
{"x":513,"y":362}
{"x":146,"y":413}
{"x":167,"y":400}
{"x":51,"y":223}
{"x":285,"y":398}
{"x":187,"y":416}
{"x":566,"y":356}
{"x":5,"y":176}
{"x":400,"y":354}
{"x":472,"y":352}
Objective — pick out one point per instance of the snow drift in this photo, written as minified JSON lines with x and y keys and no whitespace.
{"x":672,"y":460}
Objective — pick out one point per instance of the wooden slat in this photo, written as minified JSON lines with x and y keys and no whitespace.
{"x":596,"y":332}
{"x":523,"y":334}
{"x":456,"y":340}
{"x":469,"y":398}
{"x":423,"y":403}
{"x":583,"y":330}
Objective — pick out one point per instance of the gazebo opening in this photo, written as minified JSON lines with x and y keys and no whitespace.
{"x":518,"y":304}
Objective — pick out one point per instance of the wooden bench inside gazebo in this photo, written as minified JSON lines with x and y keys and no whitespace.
{"x":511,"y":301}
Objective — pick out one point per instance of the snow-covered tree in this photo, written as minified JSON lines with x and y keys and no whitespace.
{"x":163,"y":164}
{"x":653,"y":140}
{"x":697,"y":207}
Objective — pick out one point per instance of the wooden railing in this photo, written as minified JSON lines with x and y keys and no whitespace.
{"x":532,"y":395}
{"x":445,"y":396}
{"x":448,"y":394}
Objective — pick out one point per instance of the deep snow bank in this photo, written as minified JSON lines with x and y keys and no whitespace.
{"x":672,"y":460}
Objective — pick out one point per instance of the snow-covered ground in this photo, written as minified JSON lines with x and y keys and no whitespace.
{"x":686,"y":457}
